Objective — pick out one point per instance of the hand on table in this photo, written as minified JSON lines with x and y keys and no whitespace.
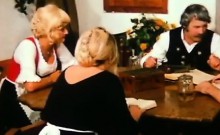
{"x":54,"y":76}
{"x":216,"y":79}
{"x":214,"y":62}
{"x":204,"y":87}
{"x":150,"y":62}
{"x":135,"y":112}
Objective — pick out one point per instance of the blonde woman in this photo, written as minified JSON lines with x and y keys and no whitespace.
{"x":89,"y":98}
{"x":35,"y":64}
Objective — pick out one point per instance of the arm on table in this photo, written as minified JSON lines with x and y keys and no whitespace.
{"x":36,"y":100}
{"x":208,"y":88}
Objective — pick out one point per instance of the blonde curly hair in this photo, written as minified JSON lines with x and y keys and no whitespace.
{"x":97,"y":47}
{"x":47,"y":19}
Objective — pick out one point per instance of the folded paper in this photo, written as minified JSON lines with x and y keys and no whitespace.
{"x":142,"y":103}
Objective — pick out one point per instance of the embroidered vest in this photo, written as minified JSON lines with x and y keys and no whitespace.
{"x":14,"y":68}
{"x":197,"y":58}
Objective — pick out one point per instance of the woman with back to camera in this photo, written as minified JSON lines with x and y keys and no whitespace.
{"x":89,"y":98}
{"x":34,"y":65}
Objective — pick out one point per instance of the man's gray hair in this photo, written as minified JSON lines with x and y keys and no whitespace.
{"x":194,"y":11}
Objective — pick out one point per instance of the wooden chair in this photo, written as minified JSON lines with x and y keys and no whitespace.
{"x":124,"y":51}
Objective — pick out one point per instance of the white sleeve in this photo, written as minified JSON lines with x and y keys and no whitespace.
{"x":24,"y":55}
{"x":215,"y":45}
{"x":65,"y":57}
{"x":144,"y":58}
{"x":159,"y":50}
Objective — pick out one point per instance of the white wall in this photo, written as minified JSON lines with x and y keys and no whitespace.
{"x":217,"y":28}
{"x":14,"y":26}
{"x":91,"y":13}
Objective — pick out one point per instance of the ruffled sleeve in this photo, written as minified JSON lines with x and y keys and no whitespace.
{"x":25,"y":55}
{"x":65,"y":57}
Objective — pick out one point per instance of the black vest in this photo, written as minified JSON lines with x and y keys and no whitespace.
{"x":197,"y":58}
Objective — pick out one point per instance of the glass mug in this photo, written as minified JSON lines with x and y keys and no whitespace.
{"x":186,"y":88}
{"x":134,"y":61}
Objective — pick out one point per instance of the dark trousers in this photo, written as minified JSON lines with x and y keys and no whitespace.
{"x":12,"y":114}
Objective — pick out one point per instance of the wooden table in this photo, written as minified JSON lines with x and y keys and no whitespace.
{"x":36,"y":100}
{"x":173,"y":116}
{"x":202,"y":108}
{"x":170,"y":113}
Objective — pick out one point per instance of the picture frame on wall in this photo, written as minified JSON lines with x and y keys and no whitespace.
{"x":139,"y":6}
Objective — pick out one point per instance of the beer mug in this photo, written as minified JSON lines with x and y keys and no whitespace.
{"x":186,"y":88}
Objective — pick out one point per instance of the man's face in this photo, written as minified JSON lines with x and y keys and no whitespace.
{"x":195,"y":30}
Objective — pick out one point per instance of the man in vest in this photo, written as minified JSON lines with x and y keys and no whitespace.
{"x":192,"y":44}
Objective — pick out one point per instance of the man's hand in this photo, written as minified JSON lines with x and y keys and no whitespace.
{"x":214,"y":62}
{"x":150,"y":62}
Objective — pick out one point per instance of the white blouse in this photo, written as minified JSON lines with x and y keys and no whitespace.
{"x":25,"y":54}
{"x":160,"y":48}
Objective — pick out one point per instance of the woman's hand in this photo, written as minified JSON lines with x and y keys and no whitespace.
{"x":216,"y":79}
{"x":54,"y":76}
{"x":46,"y":81}
{"x":204,"y":87}
{"x":210,"y":89}
{"x":135,"y":112}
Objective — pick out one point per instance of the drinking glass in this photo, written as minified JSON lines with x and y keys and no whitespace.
{"x":186,"y":88}
{"x":134,"y":61}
